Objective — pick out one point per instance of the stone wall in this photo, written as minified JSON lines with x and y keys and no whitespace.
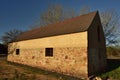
{"x":68,"y":40}
{"x":69,"y":53}
{"x":69,"y":60}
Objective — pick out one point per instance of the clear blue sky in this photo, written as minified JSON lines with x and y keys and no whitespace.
{"x":20,"y":14}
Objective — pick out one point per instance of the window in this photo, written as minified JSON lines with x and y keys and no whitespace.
{"x":17,"y":51}
{"x":48,"y":51}
{"x":98,"y":33}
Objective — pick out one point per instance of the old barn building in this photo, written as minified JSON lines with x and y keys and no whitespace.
{"x":73,"y":47}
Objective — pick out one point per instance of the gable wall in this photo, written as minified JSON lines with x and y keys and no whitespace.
{"x":96,"y":48}
{"x":69,"y":53}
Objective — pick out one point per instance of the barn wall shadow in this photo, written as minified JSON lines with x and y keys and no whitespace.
{"x":3,"y":50}
{"x":112,"y":64}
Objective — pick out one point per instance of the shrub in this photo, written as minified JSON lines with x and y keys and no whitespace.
{"x":113,"y":51}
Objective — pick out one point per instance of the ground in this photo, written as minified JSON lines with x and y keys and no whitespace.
{"x":113,"y":69}
{"x":9,"y":71}
{"x":12,"y":71}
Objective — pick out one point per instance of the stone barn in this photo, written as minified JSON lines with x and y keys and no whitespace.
{"x":74,"y":47}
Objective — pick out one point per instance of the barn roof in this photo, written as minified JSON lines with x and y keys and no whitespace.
{"x":73,"y":25}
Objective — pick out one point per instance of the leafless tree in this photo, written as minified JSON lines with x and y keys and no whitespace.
{"x":109,"y":19}
{"x":10,"y":36}
{"x":54,"y":13}
{"x":84,"y":10}
{"x":68,"y":13}
{"x":110,"y":23}
{"x":36,"y":24}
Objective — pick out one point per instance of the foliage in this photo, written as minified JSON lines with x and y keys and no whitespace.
{"x":113,"y":51}
{"x":10,"y":36}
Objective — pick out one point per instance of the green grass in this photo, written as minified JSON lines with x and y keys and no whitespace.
{"x":113,"y":69}
{"x":114,"y":74}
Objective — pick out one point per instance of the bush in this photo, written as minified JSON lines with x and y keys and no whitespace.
{"x":113,"y":51}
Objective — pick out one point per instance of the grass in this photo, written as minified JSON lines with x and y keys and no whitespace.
{"x":12,"y":71}
{"x":35,"y":70}
{"x":114,"y":74}
{"x":32,"y":73}
{"x":15,"y":71}
{"x":113,"y":70}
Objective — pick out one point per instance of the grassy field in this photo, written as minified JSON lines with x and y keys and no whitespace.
{"x":13,"y":71}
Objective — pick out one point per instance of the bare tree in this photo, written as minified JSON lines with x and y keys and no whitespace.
{"x":36,"y":24}
{"x":110,"y":23}
{"x":10,"y":36}
{"x":84,"y":10}
{"x":68,"y":13}
{"x":109,"y":20}
{"x":52,"y":14}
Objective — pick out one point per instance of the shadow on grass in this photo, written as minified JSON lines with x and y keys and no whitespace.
{"x":44,"y":72}
{"x":112,"y":64}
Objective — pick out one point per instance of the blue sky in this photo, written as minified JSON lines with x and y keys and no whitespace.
{"x":20,"y":14}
